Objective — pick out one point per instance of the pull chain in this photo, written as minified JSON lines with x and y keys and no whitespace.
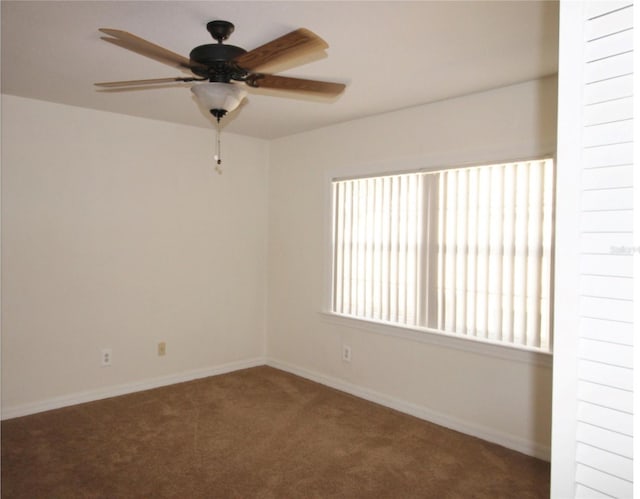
{"x":218,"y":156}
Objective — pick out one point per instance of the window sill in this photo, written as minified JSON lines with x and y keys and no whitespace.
{"x":423,"y":335}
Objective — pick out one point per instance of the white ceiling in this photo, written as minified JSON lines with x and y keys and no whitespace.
{"x":391,"y":54}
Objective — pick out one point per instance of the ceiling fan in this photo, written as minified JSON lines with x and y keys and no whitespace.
{"x":222,"y":65}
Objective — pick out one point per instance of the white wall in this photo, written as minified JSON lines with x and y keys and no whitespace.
{"x":117,"y":232}
{"x":508,"y":401}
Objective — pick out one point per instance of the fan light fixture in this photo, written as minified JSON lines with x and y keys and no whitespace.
{"x":219,"y":98}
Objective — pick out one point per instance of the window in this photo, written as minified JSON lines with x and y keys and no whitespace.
{"x":464,"y":251}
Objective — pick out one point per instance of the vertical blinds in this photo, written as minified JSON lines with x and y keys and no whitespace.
{"x":376,"y":260}
{"x":465,"y":251}
{"x":495,"y":255}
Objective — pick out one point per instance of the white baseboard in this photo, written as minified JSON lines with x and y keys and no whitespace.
{"x":137,"y":386}
{"x":467,"y":427}
{"x":470,"y":428}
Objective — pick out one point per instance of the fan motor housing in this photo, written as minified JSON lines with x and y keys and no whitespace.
{"x":217,"y":58}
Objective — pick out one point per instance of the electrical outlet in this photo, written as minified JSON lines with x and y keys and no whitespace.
{"x":106,"y":357}
{"x":346,"y":353}
{"x":162,"y":349}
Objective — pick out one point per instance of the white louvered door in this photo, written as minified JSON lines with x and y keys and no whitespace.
{"x":592,"y":445}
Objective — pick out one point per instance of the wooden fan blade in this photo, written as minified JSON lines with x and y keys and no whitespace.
{"x":143,"y":47}
{"x":295,"y":84}
{"x":130,"y":83}
{"x":294,"y":44}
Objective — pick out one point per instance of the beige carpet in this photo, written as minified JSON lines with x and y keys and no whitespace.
{"x":257,"y":433}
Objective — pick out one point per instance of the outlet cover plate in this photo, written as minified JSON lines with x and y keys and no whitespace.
{"x":346,"y":353}
{"x":105,"y":357}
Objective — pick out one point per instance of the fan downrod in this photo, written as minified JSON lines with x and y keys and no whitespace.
{"x":220,"y":30}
